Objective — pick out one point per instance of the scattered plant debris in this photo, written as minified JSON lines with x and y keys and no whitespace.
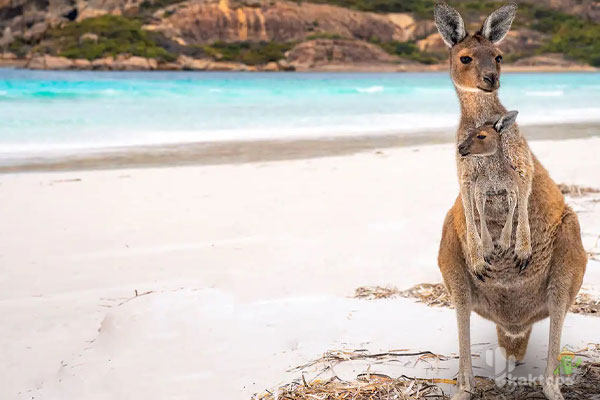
{"x":435,"y":295}
{"x":366,"y":387}
{"x":575,"y":190}
{"x":375,"y":386}
{"x":334,"y":357}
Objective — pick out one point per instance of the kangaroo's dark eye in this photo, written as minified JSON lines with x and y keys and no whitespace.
{"x":465,"y":59}
{"x":498,"y":58}
{"x":481,"y":137}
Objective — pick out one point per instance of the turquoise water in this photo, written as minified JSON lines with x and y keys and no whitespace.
{"x":42,"y":110}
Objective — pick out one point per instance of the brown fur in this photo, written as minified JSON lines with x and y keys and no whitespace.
{"x":511,"y":298}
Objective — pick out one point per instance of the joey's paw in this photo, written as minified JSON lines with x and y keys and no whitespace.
{"x":523,"y":245}
{"x":482,"y":269}
{"x":522,"y":263}
{"x":523,"y":251}
{"x":503,"y":243}
{"x":488,"y":249}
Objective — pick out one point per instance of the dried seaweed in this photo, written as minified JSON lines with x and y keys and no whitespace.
{"x":365,"y":387}
{"x":575,"y":190}
{"x":371,"y":386}
{"x":435,"y":295}
{"x":585,"y":386}
{"x":334,"y":357}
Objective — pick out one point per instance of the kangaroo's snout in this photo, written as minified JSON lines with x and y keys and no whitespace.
{"x":490,"y":80}
{"x":464,"y":150}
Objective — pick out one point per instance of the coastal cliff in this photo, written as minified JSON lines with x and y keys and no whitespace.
{"x":271,"y":35}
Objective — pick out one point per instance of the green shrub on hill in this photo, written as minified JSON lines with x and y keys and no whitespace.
{"x":323,"y":35}
{"x":580,"y":41}
{"x":409,"y":50}
{"x":248,"y":53}
{"x":116,"y":35}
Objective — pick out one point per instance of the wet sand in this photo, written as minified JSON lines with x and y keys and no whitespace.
{"x":236,"y":152}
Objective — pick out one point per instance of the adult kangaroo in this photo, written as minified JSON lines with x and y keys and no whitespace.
{"x":512,"y":296}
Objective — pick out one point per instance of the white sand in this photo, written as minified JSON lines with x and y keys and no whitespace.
{"x":250,"y":265}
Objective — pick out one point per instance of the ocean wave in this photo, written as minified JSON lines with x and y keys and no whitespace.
{"x":371,"y":89}
{"x":545,"y":93}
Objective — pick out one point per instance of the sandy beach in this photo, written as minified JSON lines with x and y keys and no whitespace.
{"x":250,"y":151}
{"x":214,"y":280}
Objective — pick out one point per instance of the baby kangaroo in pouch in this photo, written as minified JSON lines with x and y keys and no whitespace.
{"x":499,"y":176}
{"x":513,"y":283}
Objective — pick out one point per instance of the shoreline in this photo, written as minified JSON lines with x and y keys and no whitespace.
{"x":236,"y":67}
{"x":259,"y":150}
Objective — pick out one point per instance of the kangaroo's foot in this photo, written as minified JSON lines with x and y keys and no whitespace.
{"x":552,"y":388}
{"x":488,"y":243}
{"x":523,"y":246}
{"x":466,"y":385}
{"x":504,"y":241}
{"x":481,"y":268}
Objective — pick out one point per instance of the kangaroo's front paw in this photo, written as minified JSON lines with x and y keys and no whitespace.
{"x":552,"y":389}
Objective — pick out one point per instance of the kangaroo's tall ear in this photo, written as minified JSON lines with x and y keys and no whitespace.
{"x":506,"y":121}
{"x":449,"y":23}
{"x":497,"y":24}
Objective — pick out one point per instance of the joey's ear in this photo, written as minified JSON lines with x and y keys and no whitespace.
{"x":496,"y":25}
{"x":506,"y":121}
{"x":449,"y":23}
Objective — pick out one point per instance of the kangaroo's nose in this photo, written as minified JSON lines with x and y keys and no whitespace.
{"x":491,"y":79}
{"x":463,"y":150}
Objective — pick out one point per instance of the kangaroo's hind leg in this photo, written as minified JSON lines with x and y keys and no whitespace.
{"x":567,"y":268}
{"x":523,"y":235}
{"x":456,"y":278}
{"x":474,"y":244}
{"x":508,"y":225}
{"x":486,"y":239}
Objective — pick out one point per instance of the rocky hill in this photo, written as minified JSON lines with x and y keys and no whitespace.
{"x":279,"y":34}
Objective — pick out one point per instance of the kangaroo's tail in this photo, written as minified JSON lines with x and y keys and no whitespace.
{"x":513,"y":345}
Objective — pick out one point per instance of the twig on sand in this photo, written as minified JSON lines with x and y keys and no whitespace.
{"x":135,"y":297}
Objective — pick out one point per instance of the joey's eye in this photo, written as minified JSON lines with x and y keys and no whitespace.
{"x":498,"y":58}
{"x":481,"y":137}
{"x":465,"y":59}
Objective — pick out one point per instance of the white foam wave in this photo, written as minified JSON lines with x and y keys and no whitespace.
{"x":371,"y":89}
{"x":545,"y":93}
